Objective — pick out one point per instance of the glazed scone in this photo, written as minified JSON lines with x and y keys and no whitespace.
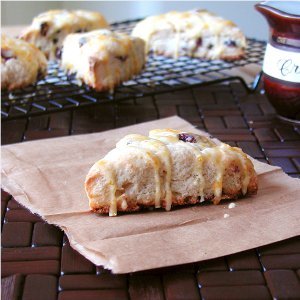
{"x":166,"y":169}
{"x":196,"y":33}
{"x":103,"y":59}
{"x":22,"y":63}
{"x":49,"y":29}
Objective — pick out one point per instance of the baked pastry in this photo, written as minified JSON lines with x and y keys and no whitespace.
{"x":49,"y":29}
{"x":103,"y":59}
{"x":22,"y":63}
{"x":166,"y":169}
{"x":196,"y":33}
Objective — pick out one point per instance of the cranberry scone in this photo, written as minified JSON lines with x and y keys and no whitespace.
{"x":166,"y":169}
{"x":196,"y":33}
{"x":103,"y":59}
{"x":49,"y":29}
{"x":22,"y":63}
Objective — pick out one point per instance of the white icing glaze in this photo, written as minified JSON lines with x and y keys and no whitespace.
{"x":111,"y":178}
{"x":217,"y":155}
{"x":155,"y":149}
{"x":243,"y":162}
{"x":171,"y":136}
{"x":198,"y":168}
{"x":159,"y":149}
{"x":98,"y":61}
{"x":177,"y":33}
{"x":156,"y":165}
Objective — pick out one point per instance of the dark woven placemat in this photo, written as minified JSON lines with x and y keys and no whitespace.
{"x":38,"y":263}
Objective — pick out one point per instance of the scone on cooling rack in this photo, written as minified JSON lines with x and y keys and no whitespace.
{"x":49,"y":29}
{"x":166,"y":169}
{"x":196,"y":33}
{"x":22,"y":63}
{"x":103,"y":59}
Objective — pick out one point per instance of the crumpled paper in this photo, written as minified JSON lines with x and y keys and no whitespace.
{"x":47,"y":177}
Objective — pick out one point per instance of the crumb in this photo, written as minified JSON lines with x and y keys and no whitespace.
{"x":231,"y":205}
{"x":124,"y":204}
{"x":226,"y":216}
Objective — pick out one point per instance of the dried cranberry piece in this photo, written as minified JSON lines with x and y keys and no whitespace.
{"x":122,"y":58}
{"x":81,"y":30}
{"x":185,"y":137}
{"x":230,"y":43}
{"x":199,"y":42}
{"x":7,"y":54}
{"x":44,"y":28}
{"x":58,"y":53}
{"x":40,"y":74}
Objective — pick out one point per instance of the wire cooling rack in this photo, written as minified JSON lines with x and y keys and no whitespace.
{"x":59,"y":92}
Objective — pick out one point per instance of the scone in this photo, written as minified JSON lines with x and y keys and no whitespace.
{"x":196,"y":33}
{"x":103,"y":59}
{"x":49,"y":29}
{"x":166,"y":169}
{"x":22,"y":63}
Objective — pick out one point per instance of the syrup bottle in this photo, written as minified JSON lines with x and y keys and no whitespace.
{"x":281,"y":66}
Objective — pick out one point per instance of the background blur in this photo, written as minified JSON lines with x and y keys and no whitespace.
{"x":242,"y":13}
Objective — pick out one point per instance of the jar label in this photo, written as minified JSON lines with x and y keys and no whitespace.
{"x":282,"y":64}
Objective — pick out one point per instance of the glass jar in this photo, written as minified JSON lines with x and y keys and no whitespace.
{"x":281,"y":65}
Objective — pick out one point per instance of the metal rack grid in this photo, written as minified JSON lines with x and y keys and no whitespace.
{"x":59,"y":92}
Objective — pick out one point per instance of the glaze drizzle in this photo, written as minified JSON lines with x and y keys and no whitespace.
{"x":155,"y":149}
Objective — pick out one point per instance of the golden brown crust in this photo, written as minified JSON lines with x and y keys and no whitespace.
{"x":232,"y":58}
{"x":134,"y":206}
{"x":22,"y":63}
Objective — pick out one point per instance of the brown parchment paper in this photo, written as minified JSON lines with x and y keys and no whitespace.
{"x":47,"y":177}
